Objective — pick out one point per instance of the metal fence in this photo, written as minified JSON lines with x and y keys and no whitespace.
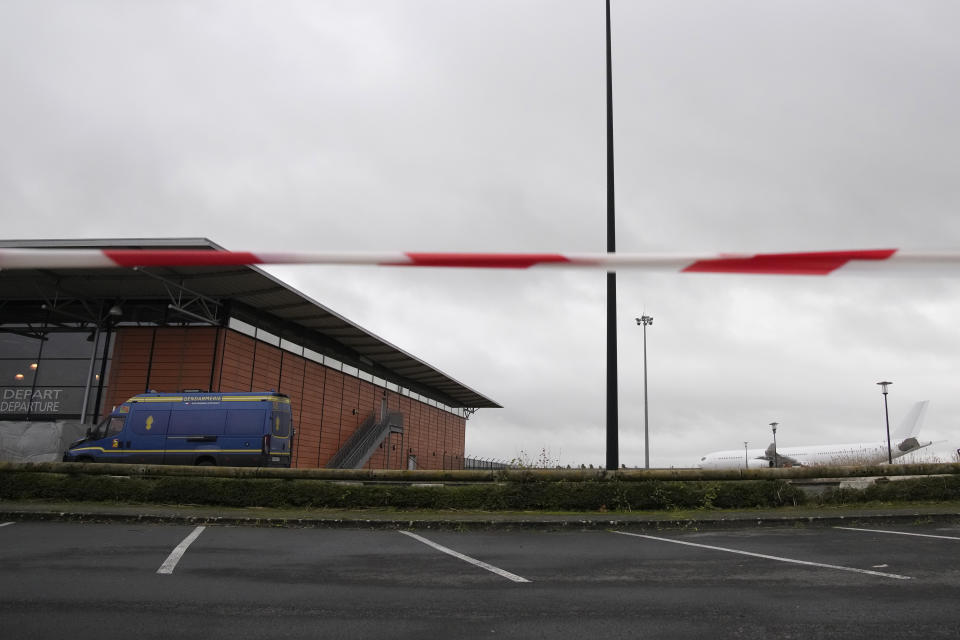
{"x":480,"y":463}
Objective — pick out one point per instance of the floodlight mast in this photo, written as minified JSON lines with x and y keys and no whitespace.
{"x":886,"y":412}
{"x":613,"y":454}
{"x":645,"y":320}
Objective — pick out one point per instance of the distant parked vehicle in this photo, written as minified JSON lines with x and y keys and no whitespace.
{"x":250,"y":429}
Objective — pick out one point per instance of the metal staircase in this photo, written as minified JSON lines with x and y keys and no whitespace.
{"x":357,"y":450}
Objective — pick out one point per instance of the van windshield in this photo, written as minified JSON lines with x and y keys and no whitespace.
{"x":109,"y":426}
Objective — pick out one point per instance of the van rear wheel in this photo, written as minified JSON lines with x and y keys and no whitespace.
{"x":206,"y":462}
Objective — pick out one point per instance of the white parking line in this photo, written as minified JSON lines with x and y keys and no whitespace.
{"x":900,"y":533}
{"x":171,"y":562}
{"x":473,"y":561}
{"x":762,"y":555}
{"x":5,"y":524}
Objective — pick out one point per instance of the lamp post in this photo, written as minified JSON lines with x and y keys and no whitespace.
{"x":746,"y":456}
{"x":887,"y":412}
{"x":776,"y":458}
{"x":613,"y":446}
{"x":645,"y":320}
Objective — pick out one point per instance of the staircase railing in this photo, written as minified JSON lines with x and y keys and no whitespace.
{"x":358,"y":449}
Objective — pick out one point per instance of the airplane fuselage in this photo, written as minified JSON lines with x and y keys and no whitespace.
{"x":857,"y":453}
{"x":904,"y":441}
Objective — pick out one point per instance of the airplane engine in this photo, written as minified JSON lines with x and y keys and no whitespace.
{"x":909,"y":444}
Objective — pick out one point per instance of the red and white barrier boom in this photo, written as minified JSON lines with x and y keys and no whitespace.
{"x":818,"y":263}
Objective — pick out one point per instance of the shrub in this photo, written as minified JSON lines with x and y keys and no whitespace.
{"x":526,"y":493}
{"x":928,"y":488}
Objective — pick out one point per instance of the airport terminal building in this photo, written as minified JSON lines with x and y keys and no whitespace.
{"x":74,"y":343}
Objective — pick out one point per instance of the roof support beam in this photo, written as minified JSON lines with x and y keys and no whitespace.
{"x":187,"y":302}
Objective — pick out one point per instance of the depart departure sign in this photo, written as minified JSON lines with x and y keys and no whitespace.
{"x":27,"y":400}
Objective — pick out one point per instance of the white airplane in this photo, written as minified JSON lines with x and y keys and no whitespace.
{"x":902,"y":442}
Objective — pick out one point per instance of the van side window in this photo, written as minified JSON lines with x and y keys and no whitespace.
{"x":184,"y":422}
{"x":115,"y":426}
{"x":245,"y":422}
{"x":281,"y":424}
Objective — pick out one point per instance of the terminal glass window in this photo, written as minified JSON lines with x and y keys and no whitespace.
{"x":44,"y":374}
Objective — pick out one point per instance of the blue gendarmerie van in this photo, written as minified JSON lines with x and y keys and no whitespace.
{"x":250,"y":429}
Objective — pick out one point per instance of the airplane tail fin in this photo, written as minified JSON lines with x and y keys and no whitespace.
{"x":912,"y":422}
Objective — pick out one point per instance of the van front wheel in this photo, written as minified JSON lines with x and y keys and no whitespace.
{"x":206,"y":462}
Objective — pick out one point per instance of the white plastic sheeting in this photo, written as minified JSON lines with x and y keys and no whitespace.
{"x":37,"y":441}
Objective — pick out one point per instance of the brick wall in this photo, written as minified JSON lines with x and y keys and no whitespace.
{"x":327,"y":405}
{"x":129,"y":367}
{"x":183,"y":358}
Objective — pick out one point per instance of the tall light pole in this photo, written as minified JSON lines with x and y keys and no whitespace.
{"x":746,"y":456}
{"x":887,"y":412}
{"x":776,"y":458}
{"x":613,"y":447}
{"x":645,"y":320}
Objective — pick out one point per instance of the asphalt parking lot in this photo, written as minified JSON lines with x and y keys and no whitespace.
{"x":61,"y":579}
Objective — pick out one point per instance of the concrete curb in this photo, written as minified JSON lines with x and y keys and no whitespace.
{"x":384,"y":476}
{"x":545,"y":523}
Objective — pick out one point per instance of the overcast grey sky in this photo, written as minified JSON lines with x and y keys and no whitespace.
{"x":419,"y":125}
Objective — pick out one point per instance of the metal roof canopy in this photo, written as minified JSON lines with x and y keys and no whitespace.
{"x":211,"y":295}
